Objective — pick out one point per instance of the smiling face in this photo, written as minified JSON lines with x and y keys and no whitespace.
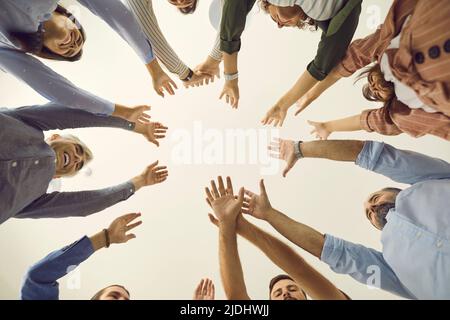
{"x":286,"y":16}
{"x":377,"y":205}
{"x":62,"y":36}
{"x":71,"y":155}
{"x":286,"y":289}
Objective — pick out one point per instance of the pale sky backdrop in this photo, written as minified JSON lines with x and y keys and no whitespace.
{"x":176,"y":245}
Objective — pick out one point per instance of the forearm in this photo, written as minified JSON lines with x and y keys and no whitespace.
{"x":230,"y":63}
{"x":302,"y":235}
{"x":338,"y":150}
{"x":300,"y":88}
{"x":98,"y":240}
{"x":287,"y":259}
{"x":230,"y":264}
{"x":352,"y":123}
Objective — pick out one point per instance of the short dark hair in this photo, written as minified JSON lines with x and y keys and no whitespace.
{"x":99,"y":294}
{"x":34,"y":42}
{"x":190,"y":9}
{"x":279,"y":278}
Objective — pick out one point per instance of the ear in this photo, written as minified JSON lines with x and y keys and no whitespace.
{"x":53,"y":137}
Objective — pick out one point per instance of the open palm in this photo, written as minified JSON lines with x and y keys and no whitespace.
{"x":226,"y":206}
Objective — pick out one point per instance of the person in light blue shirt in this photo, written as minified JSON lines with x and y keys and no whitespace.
{"x":45,"y":29}
{"x":415,"y":222}
{"x":41,"y":280}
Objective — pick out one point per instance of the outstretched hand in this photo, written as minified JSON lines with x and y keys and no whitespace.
{"x":152,"y":131}
{"x":275,"y":116}
{"x":285,"y":150}
{"x":205,"y":290}
{"x":119,"y":228}
{"x":225,"y":204}
{"x":256,"y":205}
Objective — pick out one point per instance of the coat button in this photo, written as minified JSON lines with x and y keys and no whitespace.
{"x":14,"y":164}
{"x":447,"y":46}
{"x":434,"y":52}
{"x":419,"y":58}
{"x":36,"y":162}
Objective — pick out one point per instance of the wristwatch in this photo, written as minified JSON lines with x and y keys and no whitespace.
{"x":297,"y":151}
{"x":189,"y":76}
{"x":231,"y":77}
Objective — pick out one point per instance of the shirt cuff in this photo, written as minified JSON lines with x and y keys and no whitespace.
{"x":129,"y":189}
{"x":342,"y":71}
{"x":317,"y":74}
{"x":364,"y":121}
{"x":230,"y":47}
{"x":332,"y":250}
{"x":107,"y":109}
{"x":83,"y":248}
{"x":368,"y":157}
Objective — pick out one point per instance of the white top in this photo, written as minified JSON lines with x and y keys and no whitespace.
{"x":319,"y":10}
{"x":403,"y":92}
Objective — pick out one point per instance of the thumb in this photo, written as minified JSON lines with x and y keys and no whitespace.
{"x":241,"y":194}
{"x":154,"y":164}
{"x":213,"y":219}
{"x":262,"y":187}
{"x":287,"y":169}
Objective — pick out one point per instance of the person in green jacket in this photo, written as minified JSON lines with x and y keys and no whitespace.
{"x":338,"y":20}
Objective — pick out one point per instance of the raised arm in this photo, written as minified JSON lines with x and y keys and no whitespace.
{"x":227,"y":208}
{"x":84,"y":203}
{"x":287,"y":259}
{"x":51,"y":85}
{"x":303,"y":236}
{"x":41,"y":280}
{"x":365,"y":265}
{"x":119,"y":18}
{"x":143,"y":11}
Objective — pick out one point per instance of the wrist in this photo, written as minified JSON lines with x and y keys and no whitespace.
{"x":138,"y":182}
{"x":270,"y":215}
{"x":98,"y":241}
{"x":154,"y":68}
{"x":228,"y":223}
{"x":212,"y":61}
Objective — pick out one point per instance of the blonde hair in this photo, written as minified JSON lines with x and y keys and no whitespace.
{"x":87,"y":151}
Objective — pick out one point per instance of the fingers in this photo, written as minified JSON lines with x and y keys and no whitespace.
{"x":229,"y":190}
{"x":198,"y":290}
{"x":245,"y":209}
{"x":130,"y":217}
{"x":155,"y":142}
{"x":249,"y":193}
{"x":168,"y":87}
{"x":154,"y":164}
{"x":221,"y":95}
{"x":173,"y":83}
{"x":222,"y":191}
{"x":262,"y":187}
{"x":212,"y":290}
{"x":209,"y":195}
{"x":214,"y":189}
{"x":159,"y":91}
{"x":130,"y":236}
{"x":208,"y":202}
{"x":133,"y":225}
{"x":241,"y":194}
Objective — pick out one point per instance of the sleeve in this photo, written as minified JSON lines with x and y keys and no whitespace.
{"x":332,"y":48}
{"x":400,"y":165}
{"x":118,"y":17}
{"x":51,"y":85}
{"x":215,"y":53}
{"x":76,"y":204}
{"x":363,"y":52}
{"x":52,"y":116}
{"x":365,"y":265}
{"x":143,"y":11}
{"x":232,"y":25}
{"x":41,"y":280}
{"x":379,"y":120}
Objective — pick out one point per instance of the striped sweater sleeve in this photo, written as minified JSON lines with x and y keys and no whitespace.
{"x":215,"y":53}
{"x":143,"y":11}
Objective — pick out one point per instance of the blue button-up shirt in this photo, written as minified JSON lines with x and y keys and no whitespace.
{"x":26,"y":16}
{"x":415,"y":259}
{"x":41,"y":280}
{"x":27,"y":164}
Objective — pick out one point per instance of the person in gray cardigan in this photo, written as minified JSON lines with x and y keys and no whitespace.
{"x":28,"y":162}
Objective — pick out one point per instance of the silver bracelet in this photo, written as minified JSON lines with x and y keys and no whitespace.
{"x":230,"y":77}
{"x":297,"y":151}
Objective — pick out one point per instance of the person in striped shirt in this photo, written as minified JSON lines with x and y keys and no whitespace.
{"x":411,"y":74}
{"x":145,"y":15}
